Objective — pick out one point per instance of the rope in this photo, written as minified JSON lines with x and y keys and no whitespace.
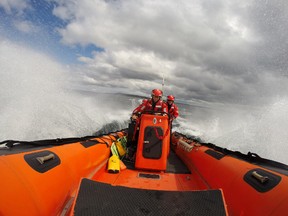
{"x":135,"y":129}
{"x":161,"y":137}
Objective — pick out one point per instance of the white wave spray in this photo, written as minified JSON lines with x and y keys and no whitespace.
{"x":37,"y":101}
{"x":258,"y":130}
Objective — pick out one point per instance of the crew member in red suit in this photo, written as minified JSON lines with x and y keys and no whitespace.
{"x":172,"y":107}
{"x":153,"y":104}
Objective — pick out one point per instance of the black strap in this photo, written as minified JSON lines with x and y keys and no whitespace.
{"x":58,"y":141}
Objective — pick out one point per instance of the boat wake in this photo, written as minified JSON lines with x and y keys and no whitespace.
{"x":113,"y":126}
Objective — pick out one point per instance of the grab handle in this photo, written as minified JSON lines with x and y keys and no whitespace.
{"x":259,"y":177}
{"x":43,"y":159}
{"x":185,"y":146}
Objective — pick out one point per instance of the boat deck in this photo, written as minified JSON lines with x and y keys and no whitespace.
{"x":176,"y":177}
{"x":176,"y":191}
{"x":97,"y":198}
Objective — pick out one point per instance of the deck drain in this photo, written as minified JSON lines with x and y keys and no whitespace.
{"x":147,"y":175}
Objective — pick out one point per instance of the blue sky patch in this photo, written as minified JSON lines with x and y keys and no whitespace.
{"x":40,"y":32}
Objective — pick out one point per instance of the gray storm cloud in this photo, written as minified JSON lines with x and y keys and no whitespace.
{"x":225,"y":51}
{"x":212,"y":50}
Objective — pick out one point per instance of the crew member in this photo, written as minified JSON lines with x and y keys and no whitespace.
{"x":172,"y":107}
{"x":153,"y":104}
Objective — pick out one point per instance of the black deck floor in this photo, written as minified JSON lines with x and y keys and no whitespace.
{"x":174,"y":164}
{"x":97,"y":198}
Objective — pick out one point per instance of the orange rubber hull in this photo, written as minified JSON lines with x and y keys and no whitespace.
{"x":228,"y":173}
{"x":25,"y":191}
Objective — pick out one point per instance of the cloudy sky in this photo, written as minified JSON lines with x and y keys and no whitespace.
{"x":225,"y":51}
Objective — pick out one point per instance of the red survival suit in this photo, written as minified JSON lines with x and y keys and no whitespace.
{"x":173,"y":111}
{"x":149,"y":105}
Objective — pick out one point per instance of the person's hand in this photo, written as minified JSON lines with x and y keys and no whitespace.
{"x":134,"y":117}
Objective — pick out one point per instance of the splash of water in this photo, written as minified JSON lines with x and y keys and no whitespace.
{"x":265,"y":134}
{"x":258,"y":130}
{"x":37,"y":101}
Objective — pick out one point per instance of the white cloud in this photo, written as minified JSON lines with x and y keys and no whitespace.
{"x":18,"y":5}
{"x":26,"y":26}
{"x":138,"y":61}
{"x":206,"y":49}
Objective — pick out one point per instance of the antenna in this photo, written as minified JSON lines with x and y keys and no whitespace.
{"x":163,"y":82}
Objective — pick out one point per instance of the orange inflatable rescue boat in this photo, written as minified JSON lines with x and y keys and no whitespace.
{"x":140,"y":170}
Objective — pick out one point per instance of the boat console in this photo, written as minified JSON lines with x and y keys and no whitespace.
{"x":153,"y":142}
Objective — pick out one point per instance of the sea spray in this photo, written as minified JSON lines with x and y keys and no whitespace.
{"x":37,"y":101}
{"x":261,"y":130}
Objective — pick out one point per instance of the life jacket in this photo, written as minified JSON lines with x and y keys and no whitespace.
{"x":173,"y":110}
{"x":148,"y":105}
